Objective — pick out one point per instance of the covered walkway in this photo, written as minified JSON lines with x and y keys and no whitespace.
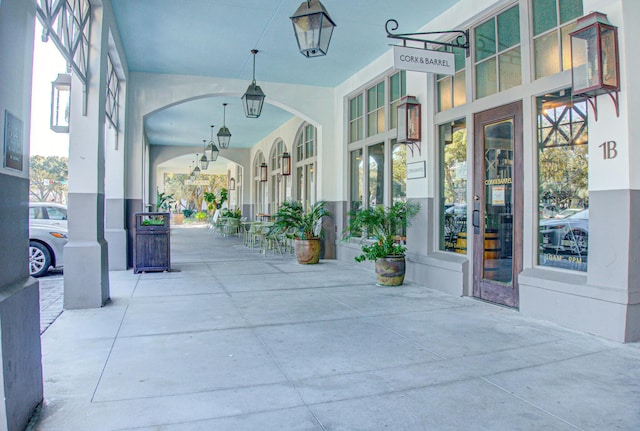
{"x":233,"y":340}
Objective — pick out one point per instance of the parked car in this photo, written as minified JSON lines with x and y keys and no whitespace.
{"x":48,"y":213}
{"x":47,"y":236}
{"x":569,"y":234}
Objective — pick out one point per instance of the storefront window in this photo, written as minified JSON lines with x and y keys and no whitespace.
{"x":398,"y":172}
{"x":453,"y":186}
{"x":553,"y":20}
{"x":563,"y":172}
{"x":356,"y":180}
{"x":497,"y":53}
{"x":305,"y":165}
{"x":376,"y":175}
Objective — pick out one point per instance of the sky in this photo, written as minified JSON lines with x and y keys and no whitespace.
{"x":47,"y":63}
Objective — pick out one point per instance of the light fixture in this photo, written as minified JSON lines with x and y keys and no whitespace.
{"x":232,"y":184}
{"x":253,"y":98}
{"x":263,"y":172}
{"x":224,"y":135}
{"x":286,"y":164}
{"x":313,"y":28}
{"x":192,"y":176}
{"x":595,"y":64}
{"x":212,"y":147}
{"x":196,"y":170}
{"x":409,"y":122}
{"x":204,"y":162}
{"x":60,"y":103}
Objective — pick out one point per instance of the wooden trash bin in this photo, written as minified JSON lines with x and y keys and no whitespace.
{"x":151,"y":243}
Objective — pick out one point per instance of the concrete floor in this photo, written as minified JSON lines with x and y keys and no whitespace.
{"x":234,"y":340}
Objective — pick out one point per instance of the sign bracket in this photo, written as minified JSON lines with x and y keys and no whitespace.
{"x":461,"y":40}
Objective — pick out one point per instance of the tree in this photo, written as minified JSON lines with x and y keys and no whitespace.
{"x":48,"y":178}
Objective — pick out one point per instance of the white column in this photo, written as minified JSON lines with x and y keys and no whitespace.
{"x":86,"y":276}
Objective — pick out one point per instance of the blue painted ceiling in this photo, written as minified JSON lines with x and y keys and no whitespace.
{"x":214,"y":38}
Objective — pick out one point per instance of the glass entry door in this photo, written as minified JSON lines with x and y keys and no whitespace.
{"x":497,"y":206}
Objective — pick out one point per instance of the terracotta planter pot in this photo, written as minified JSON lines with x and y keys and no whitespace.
{"x":177,"y":218}
{"x":390,"y":271}
{"x":308,"y":251}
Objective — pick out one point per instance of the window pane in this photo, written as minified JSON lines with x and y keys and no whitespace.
{"x":299,"y":183}
{"x":352,"y":109}
{"x":510,"y":69}
{"x":376,"y":175}
{"x":547,"y":55}
{"x":460,"y":56}
{"x":459,"y":89}
{"x":372,"y":128}
{"x":570,"y":9}
{"x":380,"y":94}
{"x":566,"y":45}
{"x":486,"y":79}
{"x":544,"y":16}
{"x":360,"y":128}
{"x":371,"y":99}
{"x":394,"y":114}
{"x":398,"y":172}
{"x":444,"y":94}
{"x":357,"y":176}
{"x":485,"y":40}
{"x":563,"y":171}
{"x":394,"y":84}
{"x":453,"y":186}
{"x":380,"y":120}
{"x":508,"y":28}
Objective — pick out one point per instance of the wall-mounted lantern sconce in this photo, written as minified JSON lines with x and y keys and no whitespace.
{"x":232,"y":184}
{"x":60,"y":103}
{"x":263,"y":172}
{"x":409,"y":122}
{"x":286,"y":164}
{"x":595,"y":65}
{"x":253,"y":98}
{"x":313,"y":28}
{"x":224,"y":134}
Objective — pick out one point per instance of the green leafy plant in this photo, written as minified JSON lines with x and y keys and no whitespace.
{"x":215,"y":202}
{"x":292,"y":218}
{"x":201,"y":216}
{"x":187,"y":212}
{"x":164,"y":201}
{"x":382,"y":226}
{"x":231,"y":213}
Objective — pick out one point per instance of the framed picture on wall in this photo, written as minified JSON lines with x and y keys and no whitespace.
{"x":13,"y":153}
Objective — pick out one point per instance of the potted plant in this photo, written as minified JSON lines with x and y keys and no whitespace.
{"x":379,"y":229}
{"x":305,"y":227}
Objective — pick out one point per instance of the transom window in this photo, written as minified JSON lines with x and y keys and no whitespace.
{"x":451,"y":89}
{"x":553,"y":20}
{"x":375,"y":109}
{"x":113,"y":94}
{"x":497,"y":53}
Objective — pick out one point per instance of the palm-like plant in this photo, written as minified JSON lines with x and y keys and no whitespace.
{"x":293,"y":219}
{"x":381,"y":224}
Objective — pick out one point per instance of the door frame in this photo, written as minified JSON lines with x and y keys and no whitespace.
{"x":482,"y":288}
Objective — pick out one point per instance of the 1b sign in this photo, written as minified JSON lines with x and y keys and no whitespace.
{"x":423,"y":60}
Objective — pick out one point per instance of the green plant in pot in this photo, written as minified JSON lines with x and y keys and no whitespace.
{"x":305,"y":226}
{"x":379,"y":229}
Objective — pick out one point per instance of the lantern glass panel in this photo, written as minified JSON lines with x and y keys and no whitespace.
{"x":609,"y":55}
{"x":585,"y":65}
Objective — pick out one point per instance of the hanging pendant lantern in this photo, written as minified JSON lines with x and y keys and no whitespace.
{"x":253,"y":98}
{"x":224,"y":134}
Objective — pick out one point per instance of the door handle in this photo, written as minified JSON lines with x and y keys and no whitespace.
{"x":475,"y":219}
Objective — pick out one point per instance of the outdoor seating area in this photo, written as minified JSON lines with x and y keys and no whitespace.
{"x":256,"y":235}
